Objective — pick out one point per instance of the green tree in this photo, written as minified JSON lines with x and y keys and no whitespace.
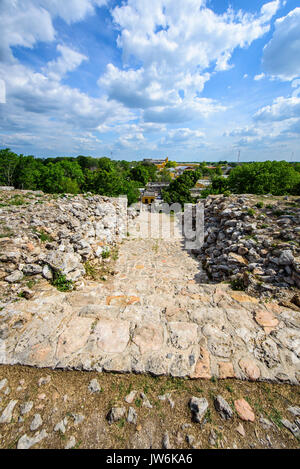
{"x":269,"y":177}
{"x":62,"y":177}
{"x":28,"y":173}
{"x":8,"y":164}
{"x":140,"y":174}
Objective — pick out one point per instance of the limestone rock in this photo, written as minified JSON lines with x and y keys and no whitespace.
{"x":244,"y":410}
{"x":223,"y":408}
{"x":115,"y":414}
{"x":198,"y":408}
{"x":26,"y":442}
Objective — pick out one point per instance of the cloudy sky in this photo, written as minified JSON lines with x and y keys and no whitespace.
{"x":192,"y":80}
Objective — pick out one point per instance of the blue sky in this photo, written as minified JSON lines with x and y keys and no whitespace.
{"x":192,"y":80}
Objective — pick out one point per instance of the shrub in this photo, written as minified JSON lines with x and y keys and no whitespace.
{"x":61,"y":283}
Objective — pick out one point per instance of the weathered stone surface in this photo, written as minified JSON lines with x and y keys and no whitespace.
{"x":27,"y":442}
{"x":3,"y":383}
{"x":266,"y":319}
{"x":219,"y":342}
{"x":130,"y":397}
{"x":74,"y":338}
{"x":111,"y":336}
{"x":148,"y":337}
{"x":14,"y":277}
{"x":250,"y":369}
{"x":240,"y":429}
{"x":94,"y":386}
{"x":71,"y":443}
{"x":226,"y":370}
{"x":8,"y":412}
{"x":149,"y":320}
{"x":166,"y":441}
{"x":115,"y":414}
{"x":132,"y":416}
{"x":293,"y":428}
{"x":183,"y":335}
{"x":26,"y":407}
{"x":198,"y":408}
{"x":61,"y":426}
{"x":36,"y":422}
{"x":64,"y":262}
{"x":294,"y":410}
{"x":202,"y":368}
{"x":244,"y":410}
{"x":242,"y":297}
{"x":223,"y":408}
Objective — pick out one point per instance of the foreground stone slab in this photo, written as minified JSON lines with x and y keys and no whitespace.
{"x":157,"y":319}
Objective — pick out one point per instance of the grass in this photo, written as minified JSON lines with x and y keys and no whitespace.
{"x":44,"y":237}
{"x":155,"y":247}
{"x":99,"y":271}
{"x":61,"y":283}
{"x":16,"y":200}
{"x":237,"y":284}
{"x":105,"y":254}
{"x":278,"y":213}
{"x":91,"y":270}
{"x":31,"y":283}
{"x":138,"y":402}
{"x":251,"y":212}
{"x":276,"y":417}
{"x":6,"y":232}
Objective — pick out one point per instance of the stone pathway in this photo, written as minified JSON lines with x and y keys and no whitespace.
{"x":154,"y":317}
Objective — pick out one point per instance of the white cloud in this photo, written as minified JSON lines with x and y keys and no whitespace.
{"x":281,"y":56}
{"x":281,"y":109}
{"x":259,"y":77}
{"x":70,"y":10}
{"x":248,"y":131}
{"x":23,"y":23}
{"x":38,"y":104}
{"x":2,"y":92}
{"x":184,"y":136}
{"x":68,"y":61}
{"x":26,"y":22}
{"x":269,"y":9}
{"x":175,"y":44}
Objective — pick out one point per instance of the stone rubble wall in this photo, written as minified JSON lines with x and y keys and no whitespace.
{"x":257,"y":247}
{"x":45,"y":233}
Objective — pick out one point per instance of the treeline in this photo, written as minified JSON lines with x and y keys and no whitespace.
{"x":270,"y":177}
{"x":112,"y":178}
{"x":76,"y":175}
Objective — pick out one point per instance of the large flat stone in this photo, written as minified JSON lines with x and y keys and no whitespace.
{"x":183,"y":334}
{"x":74,"y":337}
{"x":149,"y":337}
{"x":111,"y":336}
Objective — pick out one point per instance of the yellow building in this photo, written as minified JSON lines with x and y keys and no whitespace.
{"x":148,"y":197}
{"x":160,"y":164}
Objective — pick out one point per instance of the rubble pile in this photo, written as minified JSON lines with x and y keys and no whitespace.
{"x":253,"y":242}
{"x":41,"y":235}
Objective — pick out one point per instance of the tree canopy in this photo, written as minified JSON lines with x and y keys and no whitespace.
{"x":74,"y":175}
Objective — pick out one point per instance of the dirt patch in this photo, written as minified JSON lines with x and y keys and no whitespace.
{"x":65,"y":395}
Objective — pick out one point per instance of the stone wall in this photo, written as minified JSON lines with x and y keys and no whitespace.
{"x":254,"y":244}
{"x":41,"y":233}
